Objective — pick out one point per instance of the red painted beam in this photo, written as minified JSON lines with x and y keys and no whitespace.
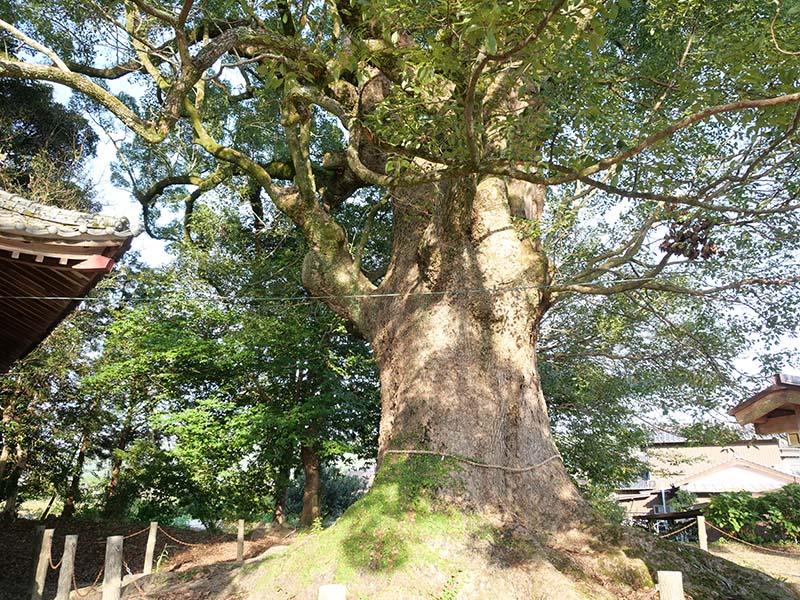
{"x":96,"y":263}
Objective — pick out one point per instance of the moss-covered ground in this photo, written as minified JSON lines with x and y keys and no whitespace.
{"x":404,"y":540}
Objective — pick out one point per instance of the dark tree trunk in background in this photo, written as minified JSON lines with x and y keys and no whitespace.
{"x":311,"y":469}
{"x":73,"y":488}
{"x":115,"y":501}
{"x":11,"y":487}
{"x":281,"y":495}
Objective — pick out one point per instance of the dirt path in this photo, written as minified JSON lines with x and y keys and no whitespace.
{"x":205,"y":549}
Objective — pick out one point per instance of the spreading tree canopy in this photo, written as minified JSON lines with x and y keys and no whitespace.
{"x":538,"y":162}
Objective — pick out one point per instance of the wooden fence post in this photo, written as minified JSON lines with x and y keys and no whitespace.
{"x":670,"y":585}
{"x":67,"y":567}
{"x":112,"y":578}
{"x":333,"y":591}
{"x":42,"y":562}
{"x":151,"y":548}
{"x":240,"y":542}
{"x":702,"y":536}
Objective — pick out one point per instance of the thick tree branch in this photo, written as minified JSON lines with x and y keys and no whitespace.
{"x":483,"y":62}
{"x":329,"y":268}
{"x":34,"y":44}
{"x":675,"y":127}
{"x":150,"y":131}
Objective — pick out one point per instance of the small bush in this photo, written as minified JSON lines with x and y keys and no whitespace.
{"x":682,"y":500}
{"x":773,"y":517}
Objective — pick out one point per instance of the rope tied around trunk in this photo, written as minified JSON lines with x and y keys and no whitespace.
{"x":476,"y":463}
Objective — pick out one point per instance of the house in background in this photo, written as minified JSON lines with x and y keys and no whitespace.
{"x":759,"y":465}
{"x":50,"y":259}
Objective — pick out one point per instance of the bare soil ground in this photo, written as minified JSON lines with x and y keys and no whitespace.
{"x":205,"y":550}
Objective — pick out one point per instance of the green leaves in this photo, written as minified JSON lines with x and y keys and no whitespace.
{"x":491,"y":41}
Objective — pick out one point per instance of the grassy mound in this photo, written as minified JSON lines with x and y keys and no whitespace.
{"x":402,"y":541}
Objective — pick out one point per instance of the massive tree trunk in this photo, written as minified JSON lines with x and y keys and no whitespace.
{"x":458,"y":361}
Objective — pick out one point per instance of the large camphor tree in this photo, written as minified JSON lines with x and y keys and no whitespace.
{"x":528,"y":154}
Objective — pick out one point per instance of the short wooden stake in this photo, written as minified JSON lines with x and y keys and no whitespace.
{"x":670,"y":585}
{"x":702,"y":536}
{"x":151,"y":548}
{"x":67,"y":567}
{"x":112,"y":577}
{"x":42,"y":563}
{"x":333,"y":591}
{"x":240,"y":542}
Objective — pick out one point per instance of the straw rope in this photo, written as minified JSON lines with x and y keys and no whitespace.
{"x":50,"y":560}
{"x":176,"y":540}
{"x":477,"y":463}
{"x":140,"y":532}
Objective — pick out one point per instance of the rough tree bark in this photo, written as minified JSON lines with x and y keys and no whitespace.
{"x":12,"y":481}
{"x":458,"y":365}
{"x":114,"y":502}
{"x":73,"y":487}
{"x":311,"y":469}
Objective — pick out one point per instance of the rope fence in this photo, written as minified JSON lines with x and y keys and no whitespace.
{"x":182,"y":543}
{"x":140,"y":532}
{"x":116,"y":573}
{"x":726,"y":534}
{"x":92,"y":588}
{"x":741,"y":541}
{"x":50,"y":560}
{"x":677,"y":531}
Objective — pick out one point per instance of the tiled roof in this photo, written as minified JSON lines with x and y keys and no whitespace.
{"x":25,"y":218}
{"x":50,"y":258}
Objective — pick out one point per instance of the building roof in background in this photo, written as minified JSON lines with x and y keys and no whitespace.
{"x":775,"y":409}
{"x":665,"y":437}
{"x":50,"y":258}
{"x":736,"y":475}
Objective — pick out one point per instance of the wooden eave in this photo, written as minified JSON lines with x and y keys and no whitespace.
{"x":49,"y":260}
{"x":775,"y":409}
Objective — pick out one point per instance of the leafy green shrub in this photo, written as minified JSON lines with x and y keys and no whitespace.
{"x":682,"y":500}
{"x":602,"y":500}
{"x":734,"y":512}
{"x":780,"y":510}
{"x":773,"y":517}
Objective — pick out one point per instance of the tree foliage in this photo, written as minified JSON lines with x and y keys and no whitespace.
{"x":771,"y":517}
